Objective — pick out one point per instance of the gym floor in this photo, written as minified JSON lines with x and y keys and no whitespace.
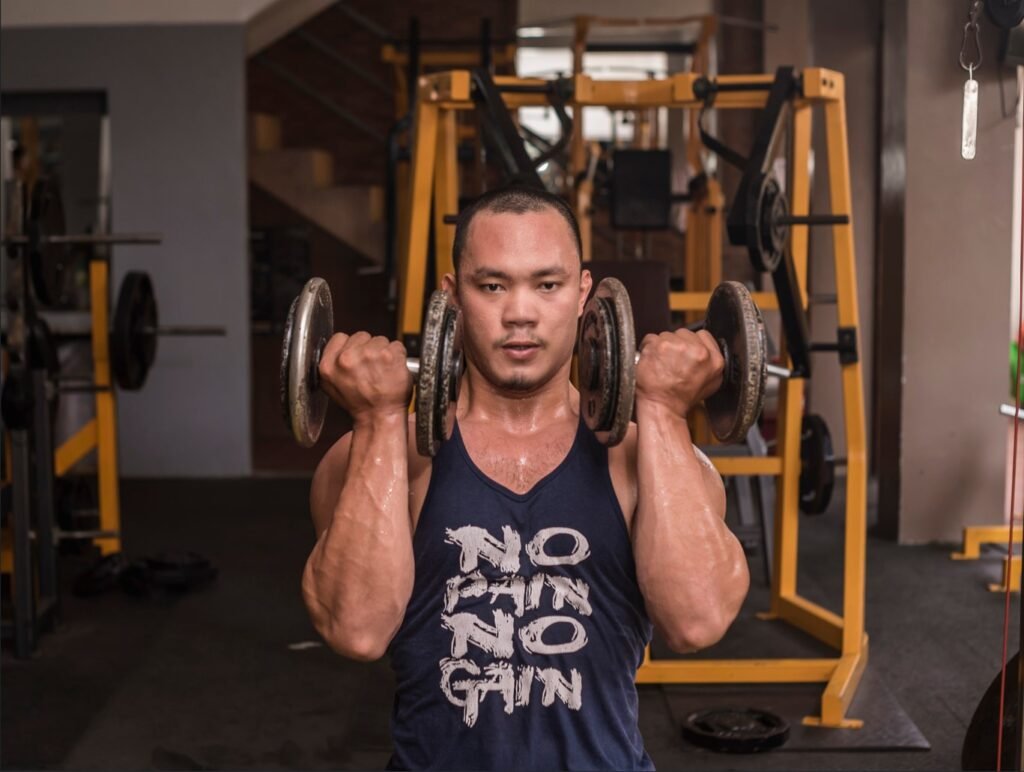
{"x":232,"y":676}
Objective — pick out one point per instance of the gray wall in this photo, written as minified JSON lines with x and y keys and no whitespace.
{"x":958,"y":235}
{"x":177,"y":116}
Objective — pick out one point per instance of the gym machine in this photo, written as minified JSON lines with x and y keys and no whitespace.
{"x":774,"y":228}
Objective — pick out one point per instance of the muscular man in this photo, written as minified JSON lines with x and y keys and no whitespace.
{"x":514,"y":578}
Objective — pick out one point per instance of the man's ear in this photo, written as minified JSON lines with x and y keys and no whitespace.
{"x":586,"y":282}
{"x":450,"y":285}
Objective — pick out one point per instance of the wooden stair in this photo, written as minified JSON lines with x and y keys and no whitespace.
{"x":303,"y":179}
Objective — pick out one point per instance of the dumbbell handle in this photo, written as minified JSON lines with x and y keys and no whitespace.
{"x":412,"y":363}
{"x":774,"y":371}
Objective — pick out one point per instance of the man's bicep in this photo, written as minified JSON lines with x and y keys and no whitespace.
{"x":327,"y":482}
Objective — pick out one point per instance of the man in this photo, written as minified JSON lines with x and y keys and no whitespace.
{"x":513,"y":578}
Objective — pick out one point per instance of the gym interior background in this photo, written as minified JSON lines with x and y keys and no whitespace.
{"x":206,"y":159}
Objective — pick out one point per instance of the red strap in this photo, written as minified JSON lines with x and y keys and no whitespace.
{"x":1013,"y":495}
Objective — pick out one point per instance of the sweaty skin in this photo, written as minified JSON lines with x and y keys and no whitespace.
{"x":521,"y":291}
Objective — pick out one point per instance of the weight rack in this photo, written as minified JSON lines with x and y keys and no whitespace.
{"x":433,"y":192}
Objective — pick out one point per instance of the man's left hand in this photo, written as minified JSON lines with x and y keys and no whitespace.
{"x":678,"y":369}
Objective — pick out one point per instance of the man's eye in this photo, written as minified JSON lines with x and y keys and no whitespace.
{"x":490,"y":287}
{"x":549,"y":286}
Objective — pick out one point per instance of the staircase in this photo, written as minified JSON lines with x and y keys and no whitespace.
{"x":303,"y":179}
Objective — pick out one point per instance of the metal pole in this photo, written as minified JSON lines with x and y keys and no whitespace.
{"x":42,"y":445}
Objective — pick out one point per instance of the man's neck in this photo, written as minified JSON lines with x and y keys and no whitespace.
{"x":517,"y":411}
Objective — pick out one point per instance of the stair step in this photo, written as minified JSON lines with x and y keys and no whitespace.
{"x":353,"y":214}
{"x":264,"y":132}
{"x":292,"y":168}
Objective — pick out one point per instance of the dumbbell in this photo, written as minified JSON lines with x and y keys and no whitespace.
{"x":608,"y":359}
{"x":310,"y":324}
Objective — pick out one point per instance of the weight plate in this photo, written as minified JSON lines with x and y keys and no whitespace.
{"x":437,"y":386}
{"x":1005,"y":13}
{"x":17,"y":400}
{"x":14,"y":216}
{"x":817,"y":465}
{"x":734,"y":320}
{"x":48,"y":263}
{"x":772,"y":233}
{"x":736,"y":730}
{"x":309,"y":326}
{"x":133,"y":338}
{"x":607,"y":362}
{"x":42,"y":347}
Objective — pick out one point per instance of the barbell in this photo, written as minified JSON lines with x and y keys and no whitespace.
{"x":36,"y":228}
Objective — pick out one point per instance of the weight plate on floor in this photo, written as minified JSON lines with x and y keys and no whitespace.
{"x":48,"y":263}
{"x":817,"y":465}
{"x":736,"y":730}
{"x":734,"y":320}
{"x":309,"y":326}
{"x":133,"y":337}
{"x":606,"y":352}
{"x":437,"y":386}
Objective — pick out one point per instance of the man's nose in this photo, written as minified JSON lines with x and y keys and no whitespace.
{"x":520,"y":309}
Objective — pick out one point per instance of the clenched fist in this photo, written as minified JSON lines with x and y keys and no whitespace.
{"x":679,"y":369}
{"x":365,"y":375}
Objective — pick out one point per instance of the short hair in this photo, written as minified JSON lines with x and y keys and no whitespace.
{"x":515,"y":199}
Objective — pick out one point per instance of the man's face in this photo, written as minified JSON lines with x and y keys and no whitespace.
{"x":521,"y":292}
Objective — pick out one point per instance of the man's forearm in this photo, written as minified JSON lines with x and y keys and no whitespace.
{"x":690,"y":566}
{"x":360,"y":574}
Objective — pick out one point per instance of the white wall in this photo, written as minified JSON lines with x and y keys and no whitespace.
{"x":95,"y":13}
{"x":176,"y":98}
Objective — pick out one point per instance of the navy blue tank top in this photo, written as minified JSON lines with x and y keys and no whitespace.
{"x":526,"y":626}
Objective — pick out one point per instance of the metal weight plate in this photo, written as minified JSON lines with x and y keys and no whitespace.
{"x":437,"y":386}
{"x":1007,"y":14}
{"x":133,"y":337}
{"x":736,"y":730}
{"x":607,"y":362}
{"x":14,"y":216}
{"x":42,"y":347}
{"x":817,"y":465}
{"x":309,"y":326}
{"x":772,"y":234}
{"x":734,"y":320}
{"x":48,"y":263}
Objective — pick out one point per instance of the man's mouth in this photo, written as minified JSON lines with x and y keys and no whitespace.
{"x":520,"y":349}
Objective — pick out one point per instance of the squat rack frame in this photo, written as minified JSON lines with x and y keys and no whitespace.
{"x":433,"y":193}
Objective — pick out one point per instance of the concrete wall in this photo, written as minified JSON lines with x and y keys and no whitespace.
{"x":177,"y":109}
{"x":958,"y":232}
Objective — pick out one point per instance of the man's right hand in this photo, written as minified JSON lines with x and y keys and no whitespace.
{"x":366,"y":375}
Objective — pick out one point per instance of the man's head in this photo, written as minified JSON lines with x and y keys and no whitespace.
{"x":520,"y":283}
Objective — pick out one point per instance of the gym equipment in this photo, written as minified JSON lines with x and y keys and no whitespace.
{"x":809,"y":95}
{"x":817,"y":465}
{"x":736,"y":730}
{"x":309,"y":326}
{"x":608,"y":357}
{"x":37,"y":229}
{"x":133,"y":335}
